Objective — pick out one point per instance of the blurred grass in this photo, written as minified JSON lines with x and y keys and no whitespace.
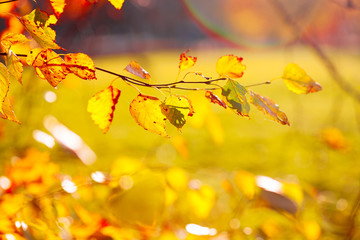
{"x":257,"y":145}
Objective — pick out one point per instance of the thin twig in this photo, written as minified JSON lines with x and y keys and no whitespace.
{"x":8,"y":1}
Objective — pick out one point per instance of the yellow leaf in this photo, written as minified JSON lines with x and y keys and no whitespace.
{"x":11,"y":204}
{"x":230,"y":66}
{"x":11,"y":39}
{"x":81,"y":65}
{"x":215,"y":128}
{"x":117,"y":3}
{"x":48,"y":65}
{"x":58,"y":6}
{"x":7,"y":112}
{"x":179,"y":143}
{"x":246,"y":183}
{"x":134,"y":68}
{"x":101,"y":107}
{"x":268,"y":107}
{"x":294,"y":192}
{"x":37,"y":24}
{"x":147,"y":113}
{"x":297,"y":80}
{"x":4,"y":85}
{"x":312,"y":230}
{"x":15,"y":67}
{"x":186,"y":62}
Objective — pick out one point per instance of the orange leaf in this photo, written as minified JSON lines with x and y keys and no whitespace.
{"x":7,"y":112}
{"x":102,"y":106}
{"x":134,"y":68}
{"x":48,"y":65}
{"x":4,"y":84}
{"x":58,"y":6}
{"x":117,"y":3}
{"x":37,"y":24}
{"x":12,"y":38}
{"x":214,"y":99}
{"x":267,"y":106}
{"x":230,"y":66}
{"x":81,"y":65}
{"x":297,"y":80}
{"x":147,"y":113}
{"x":186,"y":62}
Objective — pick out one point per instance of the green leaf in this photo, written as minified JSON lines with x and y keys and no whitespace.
{"x":234,"y":94}
{"x":4,"y":84}
{"x":268,"y":107}
{"x":177,"y":109}
{"x":297,"y":80}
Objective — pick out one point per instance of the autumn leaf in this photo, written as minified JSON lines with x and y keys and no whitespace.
{"x":147,"y":113}
{"x":11,"y":39}
{"x":186,"y":62}
{"x":117,"y":3}
{"x":102,"y":105}
{"x":134,"y":68}
{"x":37,"y":24}
{"x":177,"y":109}
{"x":4,"y":85}
{"x":58,"y":6}
{"x":15,"y":67}
{"x":48,"y":65}
{"x":297,"y":80}
{"x":81,"y":65}
{"x":268,"y":107}
{"x":230,"y":66}
{"x":7,"y":112}
{"x":234,"y":94}
{"x":214,"y":99}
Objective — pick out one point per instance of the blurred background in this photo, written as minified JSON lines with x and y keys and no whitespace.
{"x":318,"y":152}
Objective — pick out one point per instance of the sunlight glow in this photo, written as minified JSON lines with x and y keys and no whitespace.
{"x":98,"y":177}
{"x":200,"y":230}
{"x":70,"y":140}
{"x":9,"y":236}
{"x":5,"y":183}
{"x":50,"y":96}
{"x":68,"y":186}
{"x":247,"y":230}
{"x":126,"y":182}
{"x":269,"y":184}
{"x":44,"y":138}
{"x":21,"y":224}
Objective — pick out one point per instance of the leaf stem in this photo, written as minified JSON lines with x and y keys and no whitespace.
{"x":258,"y":84}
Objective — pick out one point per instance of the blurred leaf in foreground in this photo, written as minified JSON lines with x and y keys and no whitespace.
{"x":334,"y":138}
{"x":297,"y":80}
{"x":268,"y":107}
{"x":101,"y":107}
{"x":230,"y":66}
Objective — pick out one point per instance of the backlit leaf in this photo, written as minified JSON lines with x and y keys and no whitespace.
{"x":214,"y":99}
{"x":201,"y":201}
{"x":7,"y":112}
{"x":37,"y":24}
{"x":4,"y":84}
{"x":268,"y":107}
{"x":12,"y":38}
{"x":117,"y":3}
{"x":48,"y":65}
{"x":134,"y":68}
{"x":297,"y":80}
{"x":143,"y":203}
{"x":102,"y":105}
{"x":147,"y":113}
{"x":177,"y":109}
{"x":15,"y":67}
{"x":81,"y":65}
{"x":234,"y":94}
{"x":186,"y":62}
{"x":58,"y":6}
{"x":246,"y":183}
{"x":230,"y":66}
